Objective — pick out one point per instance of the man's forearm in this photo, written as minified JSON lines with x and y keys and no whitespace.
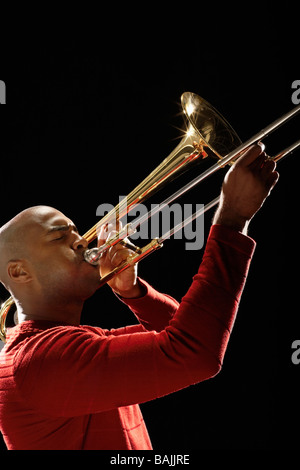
{"x":226,"y":216}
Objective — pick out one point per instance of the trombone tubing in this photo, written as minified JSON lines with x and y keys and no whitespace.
{"x":92,"y":233}
{"x":132,"y":227}
{"x":260,"y":135}
{"x":158,"y":242}
{"x":215,"y":201}
{"x":222,"y":162}
{"x":141,"y":192}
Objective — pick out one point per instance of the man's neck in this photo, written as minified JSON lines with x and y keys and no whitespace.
{"x":69,"y":314}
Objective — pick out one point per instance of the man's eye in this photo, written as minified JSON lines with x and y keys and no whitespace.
{"x":61,"y":237}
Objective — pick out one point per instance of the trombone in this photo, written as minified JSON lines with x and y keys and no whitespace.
{"x":208,"y":135}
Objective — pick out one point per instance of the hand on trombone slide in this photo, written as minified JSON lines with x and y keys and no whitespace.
{"x":246,"y":186}
{"x":125,"y":283}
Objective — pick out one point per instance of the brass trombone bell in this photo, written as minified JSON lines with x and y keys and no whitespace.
{"x":208,"y":134}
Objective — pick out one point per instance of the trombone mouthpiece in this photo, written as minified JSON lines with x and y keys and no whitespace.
{"x":92,"y":256}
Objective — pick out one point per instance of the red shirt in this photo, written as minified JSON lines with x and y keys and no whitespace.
{"x":77,"y":387}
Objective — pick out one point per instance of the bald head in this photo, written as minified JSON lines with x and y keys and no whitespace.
{"x":16,"y":235}
{"x":42,"y":265}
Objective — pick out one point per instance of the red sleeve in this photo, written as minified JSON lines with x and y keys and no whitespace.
{"x":69,"y":371}
{"x":154,"y":310}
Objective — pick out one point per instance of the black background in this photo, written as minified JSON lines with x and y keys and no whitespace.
{"x":88,"y":116}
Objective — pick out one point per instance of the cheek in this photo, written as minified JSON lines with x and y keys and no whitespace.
{"x":63,"y":270}
{"x":54,"y":267}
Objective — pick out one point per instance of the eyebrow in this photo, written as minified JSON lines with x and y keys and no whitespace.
{"x":62,"y":228}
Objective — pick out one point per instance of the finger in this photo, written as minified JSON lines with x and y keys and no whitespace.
{"x":103,"y":238}
{"x":118,"y":255}
{"x":272,"y":180}
{"x":101,"y":234}
{"x":106,"y":228}
{"x":268,"y":173}
{"x":250,"y":155}
{"x":111,"y":235}
{"x":268,"y":167}
{"x":106,"y":232}
{"x":258,"y":163}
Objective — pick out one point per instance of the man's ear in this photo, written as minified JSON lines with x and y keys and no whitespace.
{"x":18,"y":271}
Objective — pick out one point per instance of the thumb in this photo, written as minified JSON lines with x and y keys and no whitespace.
{"x":250,"y":155}
{"x":105,"y":232}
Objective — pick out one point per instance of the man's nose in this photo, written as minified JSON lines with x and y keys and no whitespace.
{"x":79,"y":243}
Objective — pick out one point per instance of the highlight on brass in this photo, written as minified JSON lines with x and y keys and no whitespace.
{"x":208,"y":136}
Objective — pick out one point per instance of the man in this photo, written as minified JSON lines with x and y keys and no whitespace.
{"x":68,"y":386}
